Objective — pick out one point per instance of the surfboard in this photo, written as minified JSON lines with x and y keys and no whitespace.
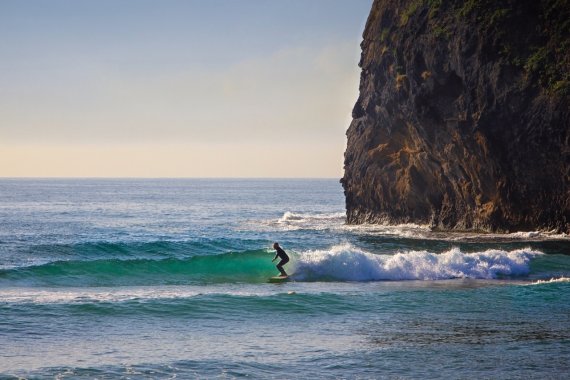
{"x":278,"y":279}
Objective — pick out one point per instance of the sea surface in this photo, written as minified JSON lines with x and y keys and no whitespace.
{"x":136,"y":278}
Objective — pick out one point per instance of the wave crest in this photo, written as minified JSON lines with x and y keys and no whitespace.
{"x":339,"y":263}
{"x":347,"y":263}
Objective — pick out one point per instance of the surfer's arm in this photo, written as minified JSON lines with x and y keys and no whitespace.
{"x":275,"y":258}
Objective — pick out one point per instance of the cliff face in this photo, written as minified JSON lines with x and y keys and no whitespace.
{"x":463,"y":116}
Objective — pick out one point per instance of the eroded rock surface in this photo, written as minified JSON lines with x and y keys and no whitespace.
{"x":463,"y":116}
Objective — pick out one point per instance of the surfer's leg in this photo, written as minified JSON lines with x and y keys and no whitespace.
{"x":280,"y":267}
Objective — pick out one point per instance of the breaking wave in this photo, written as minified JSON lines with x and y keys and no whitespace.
{"x":347,"y":263}
{"x":339,"y":263}
{"x":314,"y":221}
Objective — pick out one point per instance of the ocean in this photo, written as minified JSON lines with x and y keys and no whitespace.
{"x":168,"y":278}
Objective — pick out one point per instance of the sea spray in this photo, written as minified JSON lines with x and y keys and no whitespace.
{"x":348,"y":263}
{"x":292,"y":221}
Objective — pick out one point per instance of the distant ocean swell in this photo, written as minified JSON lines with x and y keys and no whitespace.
{"x":339,"y":263}
{"x":155,"y":249}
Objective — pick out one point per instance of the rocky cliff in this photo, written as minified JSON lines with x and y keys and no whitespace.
{"x":463,"y":116}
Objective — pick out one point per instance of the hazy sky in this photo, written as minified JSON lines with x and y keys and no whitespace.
{"x":209,"y":88}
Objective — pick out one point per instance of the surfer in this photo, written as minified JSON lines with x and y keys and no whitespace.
{"x":283,"y":256}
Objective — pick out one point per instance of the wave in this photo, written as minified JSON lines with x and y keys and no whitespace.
{"x":347,"y":263}
{"x":248,"y":266}
{"x":339,"y":263}
{"x":120,"y":294}
{"x":308,"y":217}
{"x":292,"y":221}
{"x":40,"y":254}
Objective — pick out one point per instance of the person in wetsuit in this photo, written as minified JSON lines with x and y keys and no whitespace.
{"x":283,"y":256}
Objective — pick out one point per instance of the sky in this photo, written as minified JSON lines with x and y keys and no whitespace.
{"x":177,"y":88}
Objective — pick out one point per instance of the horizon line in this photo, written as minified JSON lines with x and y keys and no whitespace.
{"x":131,"y":177}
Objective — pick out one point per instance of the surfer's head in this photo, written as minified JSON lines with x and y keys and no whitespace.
{"x":275,"y":245}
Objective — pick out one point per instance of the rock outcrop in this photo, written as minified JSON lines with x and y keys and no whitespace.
{"x":463,"y":116}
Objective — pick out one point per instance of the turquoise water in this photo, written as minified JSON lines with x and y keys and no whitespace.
{"x":168,"y":278}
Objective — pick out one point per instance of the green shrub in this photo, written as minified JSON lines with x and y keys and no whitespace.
{"x":535,"y":63}
{"x":497,"y":16}
{"x":468,"y":7}
{"x":384,"y":34}
{"x":434,"y":6}
{"x":441,"y":32}
{"x":561,"y":87}
{"x":412,"y":8}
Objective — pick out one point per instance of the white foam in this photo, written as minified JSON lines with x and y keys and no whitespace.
{"x":316,"y":221}
{"x":537,"y":235}
{"x":407,"y":230}
{"x":336,"y":221}
{"x":347,"y":263}
{"x":551,"y":281}
{"x":94,"y":295}
{"x":424,"y":232}
{"x":525,"y":234}
{"x":289,"y":216}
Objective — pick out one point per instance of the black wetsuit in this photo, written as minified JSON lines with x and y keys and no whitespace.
{"x":284,"y":260}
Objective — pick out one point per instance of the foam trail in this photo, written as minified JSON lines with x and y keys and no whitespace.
{"x":551,"y":281}
{"x":122,"y":294}
{"x":347,"y":263}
